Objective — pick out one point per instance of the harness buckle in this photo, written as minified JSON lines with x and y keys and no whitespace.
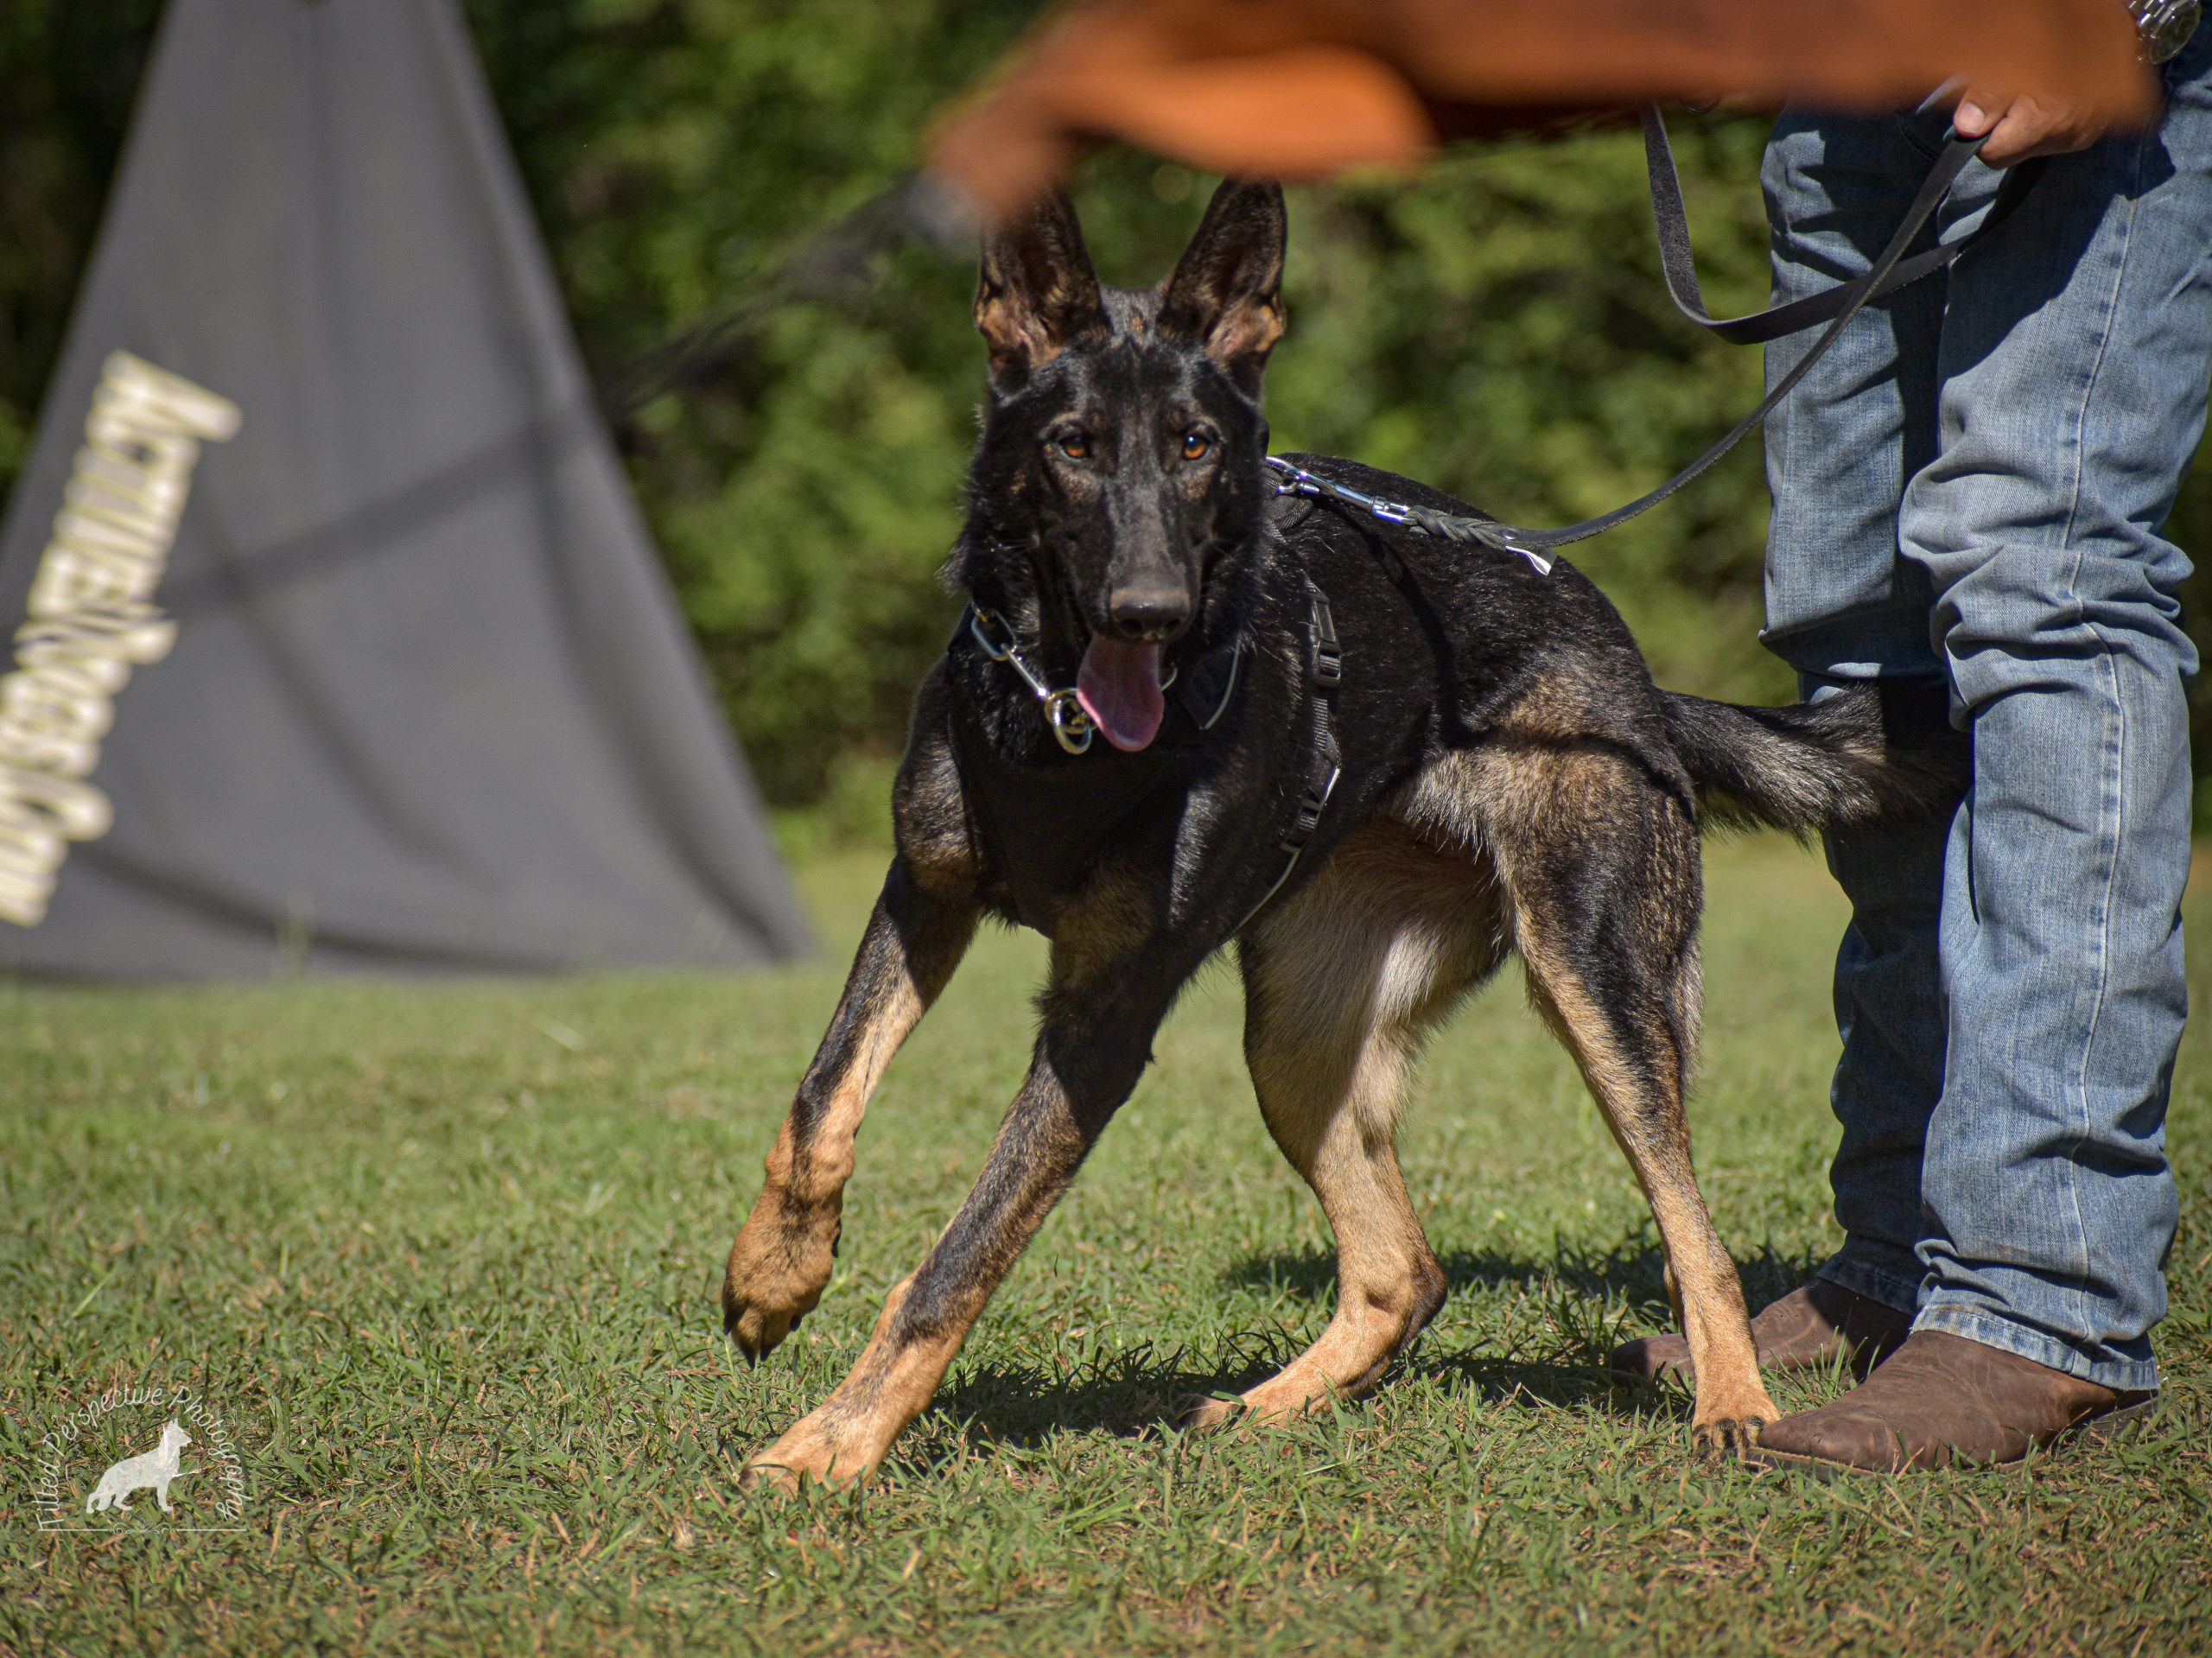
{"x":1328,"y":654}
{"x":1310,"y":807}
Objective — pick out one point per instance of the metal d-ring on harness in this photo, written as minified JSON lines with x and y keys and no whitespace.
{"x":1071,"y":727}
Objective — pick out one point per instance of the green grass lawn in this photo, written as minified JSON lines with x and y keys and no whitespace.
{"x":449,"y":1257}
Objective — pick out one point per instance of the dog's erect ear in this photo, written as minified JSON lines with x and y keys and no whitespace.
{"x":1039,"y":292}
{"x":1226,"y":294}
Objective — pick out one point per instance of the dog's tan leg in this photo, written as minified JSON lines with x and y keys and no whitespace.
{"x":1646,"y":1118}
{"x":782,"y":1258}
{"x":1604,"y":916}
{"x":928,"y":1315}
{"x":1340,"y":986}
{"x":1112,"y":980}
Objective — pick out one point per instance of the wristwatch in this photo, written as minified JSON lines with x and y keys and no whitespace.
{"x":2165,"y":26}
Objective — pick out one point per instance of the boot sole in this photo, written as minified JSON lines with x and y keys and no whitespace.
{"x":1859,"y":1365}
{"x":2103,"y":1429}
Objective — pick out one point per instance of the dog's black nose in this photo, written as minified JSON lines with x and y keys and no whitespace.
{"x":1154,"y":614}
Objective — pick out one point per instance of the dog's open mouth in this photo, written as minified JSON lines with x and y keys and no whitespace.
{"x":1119,"y":688}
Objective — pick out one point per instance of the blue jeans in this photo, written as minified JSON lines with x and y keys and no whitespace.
{"x":1970,"y":490}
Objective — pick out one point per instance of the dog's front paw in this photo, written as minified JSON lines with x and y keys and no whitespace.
{"x":1727,"y":1421}
{"x":811,"y":1450}
{"x":778,"y":1269}
{"x":1726,"y":1438}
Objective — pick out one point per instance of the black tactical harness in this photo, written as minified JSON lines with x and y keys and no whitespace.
{"x":1325,"y":674}
{"x":1070,"y":806}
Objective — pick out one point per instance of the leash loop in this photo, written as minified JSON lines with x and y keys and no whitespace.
{"x":1835,"y":306}
{"x":1671,"y":221}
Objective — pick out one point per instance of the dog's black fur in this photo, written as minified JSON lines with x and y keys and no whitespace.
{"x":1509,"y":779}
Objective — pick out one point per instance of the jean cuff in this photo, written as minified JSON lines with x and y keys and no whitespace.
{"x":1862,"y":1269}
{"x":1980,"y":1324}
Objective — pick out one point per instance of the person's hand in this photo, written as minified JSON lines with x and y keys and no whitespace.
{"x":2023,"y":127}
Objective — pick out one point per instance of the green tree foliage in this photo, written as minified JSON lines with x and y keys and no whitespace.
{"x":1495,"y":326}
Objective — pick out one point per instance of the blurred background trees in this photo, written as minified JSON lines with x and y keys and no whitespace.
{"x":1495,"y":326}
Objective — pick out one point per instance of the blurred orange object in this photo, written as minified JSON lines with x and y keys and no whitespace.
{"x":1299,"y":89}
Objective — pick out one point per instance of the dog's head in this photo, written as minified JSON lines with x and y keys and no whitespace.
{"x":1122,"y":441}
{"x":173,"y":1438}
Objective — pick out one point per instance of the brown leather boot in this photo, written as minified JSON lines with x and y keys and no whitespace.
{"x":1809,"y":1328}
{"x":1939,"y":1401}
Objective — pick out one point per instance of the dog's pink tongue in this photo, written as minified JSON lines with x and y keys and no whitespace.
{"x":1119,"y":688}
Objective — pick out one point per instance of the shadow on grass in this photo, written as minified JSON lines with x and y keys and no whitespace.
{"x":1137,"y":1393}
{"x":1580,"y":1303}
{"x":1632,"y":1270}
{"x":1124,"y":1393}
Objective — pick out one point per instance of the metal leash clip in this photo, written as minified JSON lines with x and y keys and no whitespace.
{"x":1071,"y":727}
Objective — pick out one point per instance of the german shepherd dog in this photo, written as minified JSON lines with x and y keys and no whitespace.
{"x":1377,"y":761}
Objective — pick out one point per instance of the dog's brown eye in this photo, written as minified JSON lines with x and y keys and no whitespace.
{"x":1077,"y":448}
{"x":1194,"y":446}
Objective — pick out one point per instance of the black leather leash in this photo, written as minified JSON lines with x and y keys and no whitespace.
{"x":837,"y":260}
{"x":1671,"y":220}
{"x":1836,"y":306}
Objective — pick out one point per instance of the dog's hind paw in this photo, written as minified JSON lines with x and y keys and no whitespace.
{"x":807,"y":1453}
{"x":1203,"y":1410}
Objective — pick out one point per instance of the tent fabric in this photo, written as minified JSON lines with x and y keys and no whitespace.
{"x":1300,"y":89}
{"x":407,"y":692}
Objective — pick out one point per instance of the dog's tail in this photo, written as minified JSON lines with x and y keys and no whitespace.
{"x":1871,"y":752}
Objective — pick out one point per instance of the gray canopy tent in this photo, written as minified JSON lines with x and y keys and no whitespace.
{"x":337,"y":643}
